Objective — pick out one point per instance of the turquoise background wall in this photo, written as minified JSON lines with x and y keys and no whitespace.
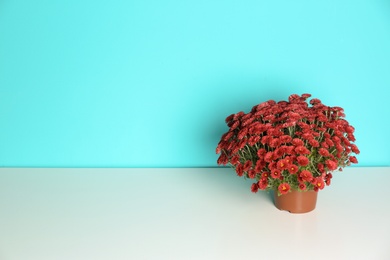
{"x":149,"y":83}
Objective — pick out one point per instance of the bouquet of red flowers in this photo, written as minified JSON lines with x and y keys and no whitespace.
{"x":288,"y":144}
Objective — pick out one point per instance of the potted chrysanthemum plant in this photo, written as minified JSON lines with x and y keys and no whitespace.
{"x":291,"y":147}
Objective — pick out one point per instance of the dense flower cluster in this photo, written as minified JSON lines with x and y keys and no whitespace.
{"x":288,"y":144}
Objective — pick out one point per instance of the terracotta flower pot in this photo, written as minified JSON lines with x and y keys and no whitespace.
{"x":296,"y":201}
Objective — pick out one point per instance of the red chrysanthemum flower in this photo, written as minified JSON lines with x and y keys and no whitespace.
{"x":238,"y":115}
{"x":292,"y":168}
{"x":302,"y":186}
{"x":331,"y":165}
{"x":319,"y":183}
{"x":265,"y":175}
{"x":279,"y":152}
{"x":294,"y":116}
{"x":302,"y":160}
{"x":272,"y":165}
{"x":242,"y":133}
{"x":263,"y":183}
{"x":268,"y":157}
{"x":322,"y":118}
{"x":306,"y":175}
{"x":284,"y":188}
{"x":302,"y":150}
{"x":269,"y":118}
{"x":261,"y":152}
{"x":253,"y":140}
{"x":275,"y":174}
{"x":285,"y":139}
{"x":314,"y":143}
{"x":293,"y":97}
{"x":254,"y":130}
{"x":289,"y":123}
{"x":324,"y":145}
{"x":229,"y":118}
{"x":223,"y":159}
{"x":275,"y":142}
{"x":227,"y":136}
{"x":297,"y":142}
{"x":241,"y":144}
{"x":260,"y":164}
{"x":235,"y":125}
{"x":239,"y":170}
{"x":251,"y":174}
{"x":339,"y":148}
{"x":323,"y":152}
{"x":247,"y":121}
{"x":353,"y":159}
{"x":265,"y":139}
{"x":246,"y":116}
{"x":349,"y":129}
{"x":235,"y":159}
{"x":254,"y":187}
{"x":307,"y":136}
{"x":329,"y":142}
{"x":289,"y":159}
{"x":355,"y":149}
{"x":247,"y":165}
{"x":290,"y":150}
{"x":282,"y":164}
{"x":346,"y":142}
{"x":351,"y":137}
{"x":328,"y":177}
{"x":315,"y":101}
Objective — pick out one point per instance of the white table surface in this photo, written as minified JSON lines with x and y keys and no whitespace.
{"x":186,"y":213}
